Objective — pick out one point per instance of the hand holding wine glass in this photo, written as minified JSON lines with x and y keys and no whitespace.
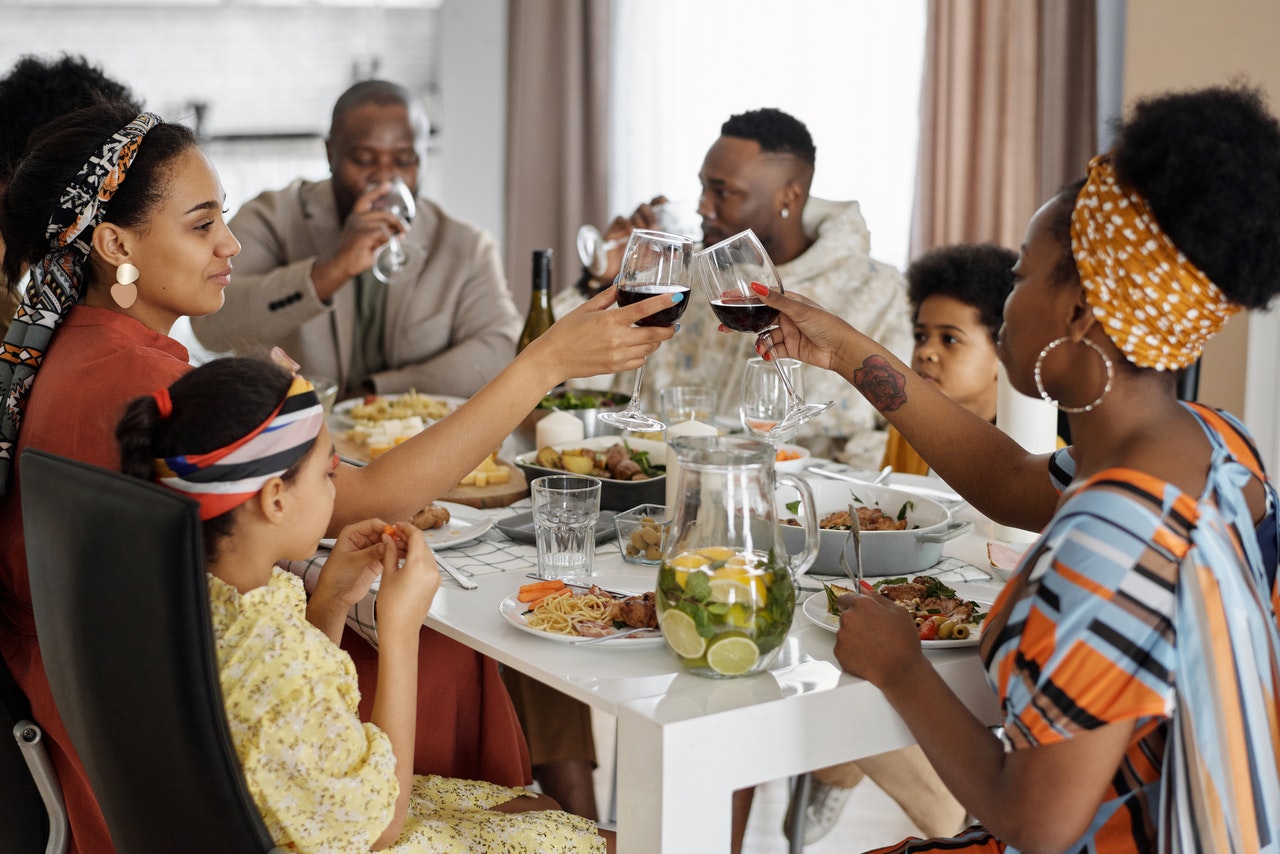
{"x":653,"y":263}
{"x":727,"y":271}
{"x":398,"y":201}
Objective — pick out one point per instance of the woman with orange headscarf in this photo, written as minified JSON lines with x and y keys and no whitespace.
{"x":1135,"y":652}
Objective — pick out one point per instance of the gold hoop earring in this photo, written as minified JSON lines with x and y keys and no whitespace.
{"x":124,"y":292}
{"x":1048,"y":398}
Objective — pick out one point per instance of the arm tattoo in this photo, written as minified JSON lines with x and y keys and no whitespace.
{"x":879,"y":383}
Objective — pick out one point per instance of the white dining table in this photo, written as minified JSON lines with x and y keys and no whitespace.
{"x":686,"y":742}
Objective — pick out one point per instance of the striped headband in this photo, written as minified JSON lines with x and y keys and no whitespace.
{"x":224,"y":479}
{"x":57,"y":280}
{"x":1151,"y":300}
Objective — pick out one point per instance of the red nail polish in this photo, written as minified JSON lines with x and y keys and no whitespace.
{"x":760,"y":289}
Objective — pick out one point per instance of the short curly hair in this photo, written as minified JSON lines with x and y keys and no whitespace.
{"x":775,"y":131}
{"x":37,"y":90}
{"x":976,"y":274}
{"x":1208,"y":163}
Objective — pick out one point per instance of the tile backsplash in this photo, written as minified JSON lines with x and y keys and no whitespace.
{"x":258,"y":69}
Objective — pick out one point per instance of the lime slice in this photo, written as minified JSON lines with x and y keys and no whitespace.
{"x":682,"y":634}
{"x":732,"y":655}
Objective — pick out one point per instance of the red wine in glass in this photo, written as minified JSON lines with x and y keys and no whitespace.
{"x":744,"y":314}
{"x":629,"y":293}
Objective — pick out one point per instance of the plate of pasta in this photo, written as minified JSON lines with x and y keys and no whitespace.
{"x":572,"y":613}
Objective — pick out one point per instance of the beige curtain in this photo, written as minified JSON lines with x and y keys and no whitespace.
{"x":556,"y":132}
{"x":1008,"y":115}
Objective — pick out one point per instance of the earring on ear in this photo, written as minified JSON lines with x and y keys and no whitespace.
{"x":786,"y":212}
{"x":124,"y":291}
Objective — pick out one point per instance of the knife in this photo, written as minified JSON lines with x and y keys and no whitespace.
{"x":463,"y":582}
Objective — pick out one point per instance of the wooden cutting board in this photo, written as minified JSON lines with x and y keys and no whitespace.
{"x":496,"y":495}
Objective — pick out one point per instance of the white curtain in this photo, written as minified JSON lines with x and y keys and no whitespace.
{"x":849,"y":69}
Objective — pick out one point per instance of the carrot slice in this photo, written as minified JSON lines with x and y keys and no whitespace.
{"x":539,"y":589}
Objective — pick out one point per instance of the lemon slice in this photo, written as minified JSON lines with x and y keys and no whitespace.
{"x":733,"y":591}
{"x":682,"y":634}
{"x":716,"y":552}
{"x":732,"y":655}
{"x":689,"y":561}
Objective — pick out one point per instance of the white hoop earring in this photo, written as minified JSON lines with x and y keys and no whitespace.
{"x":124,"y":292}
{"x":1048,"y":398}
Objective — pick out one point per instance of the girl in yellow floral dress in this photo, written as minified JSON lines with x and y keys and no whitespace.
{"x":249,"y":443}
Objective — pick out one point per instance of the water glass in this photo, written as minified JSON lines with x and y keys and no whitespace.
{"x":565,"y":511}
{"x":687,"y":403}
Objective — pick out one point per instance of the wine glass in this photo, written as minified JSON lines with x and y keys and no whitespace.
{"x":397,"y":200}
{"x":654,"y":262}
{"x":673,"y":217}
{"x":727,"y":271}
{"x":764,"y":397}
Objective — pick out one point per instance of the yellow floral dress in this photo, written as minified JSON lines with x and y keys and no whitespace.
{"x":324,"y":781}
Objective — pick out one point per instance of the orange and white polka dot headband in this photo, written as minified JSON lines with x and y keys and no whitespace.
{"x":1153,"y":303}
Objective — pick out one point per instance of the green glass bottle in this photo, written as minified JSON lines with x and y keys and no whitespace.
{"x":540,"y":316}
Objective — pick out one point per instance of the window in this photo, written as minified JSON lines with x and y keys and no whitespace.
{"x":849,"y":69}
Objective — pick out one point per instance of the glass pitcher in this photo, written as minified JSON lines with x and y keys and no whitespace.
{"x":726,"y":593}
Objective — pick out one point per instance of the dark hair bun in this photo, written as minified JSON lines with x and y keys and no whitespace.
{"x":1208,"y":162}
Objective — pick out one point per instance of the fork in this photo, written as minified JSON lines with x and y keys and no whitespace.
{"x":855,"y":534}
{"x":623,"y":634}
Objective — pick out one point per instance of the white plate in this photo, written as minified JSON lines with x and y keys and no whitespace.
{"x":815,"y":608}
{"x":465,"y":524}
{"x":512,"y":610}
{"x":341,"y":416}
{"x":340,"y":423}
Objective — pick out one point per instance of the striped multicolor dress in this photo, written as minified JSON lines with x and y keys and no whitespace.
{"x":1142,"y":603}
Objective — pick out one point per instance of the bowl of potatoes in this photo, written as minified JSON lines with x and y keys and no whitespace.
{"x":631,"y":471}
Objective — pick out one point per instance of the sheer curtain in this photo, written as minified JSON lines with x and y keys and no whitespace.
{"x":557,"y":91}
{"x":849,"y":69}
{"x":1008,"y":115}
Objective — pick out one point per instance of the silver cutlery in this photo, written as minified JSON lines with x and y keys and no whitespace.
{"x":462,"y":581}
{"x":626,"y":633}
{"x":939,"y":495}
{"x":855,"y":534}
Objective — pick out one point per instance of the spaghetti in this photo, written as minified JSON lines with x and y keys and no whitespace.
{"x":560,"y":614}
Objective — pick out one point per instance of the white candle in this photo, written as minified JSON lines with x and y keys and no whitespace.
{"x":1033,"y":424}
{"x":684,"y":428}
{"x":558,"y":428}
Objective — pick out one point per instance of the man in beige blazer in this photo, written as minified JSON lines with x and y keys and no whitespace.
{"x":444,"y":324}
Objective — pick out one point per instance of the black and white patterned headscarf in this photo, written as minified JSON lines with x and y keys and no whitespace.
{"x":57,"y":280}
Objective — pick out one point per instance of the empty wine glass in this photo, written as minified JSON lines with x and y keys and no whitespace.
{"x":672,"y":217}
{"x":397,"y":200}
{"x":653,"y":263}
{"x":726,"y":271}
{"x":764,"y":397}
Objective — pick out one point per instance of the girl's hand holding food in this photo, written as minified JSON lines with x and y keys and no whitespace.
{"x":877,"y":639}
{"x":410,"y":579}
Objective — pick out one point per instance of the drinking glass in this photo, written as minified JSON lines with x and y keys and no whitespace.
{"x":653,"y":263}
{"x":727,"y":271}
{"x":687,"y":403}
{"x":565,"y":511}
{"x":673,"y":217}
{"x":764,"y":397}
{"x":397,"y":200}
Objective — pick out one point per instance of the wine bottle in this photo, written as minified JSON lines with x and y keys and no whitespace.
{"x":540,"y":316}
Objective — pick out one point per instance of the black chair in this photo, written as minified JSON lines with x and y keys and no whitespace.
{"x":32,"y":815}
{"x":122,"y":611}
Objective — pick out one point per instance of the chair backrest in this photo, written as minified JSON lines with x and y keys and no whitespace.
{"x":122,"y":612}
{"x":32,"y":816}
